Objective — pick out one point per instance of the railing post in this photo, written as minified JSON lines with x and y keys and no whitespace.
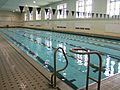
{"x":100,"y":69}
{"x":88,"y":69}
{"x":53,"y":82}
{"x":75,"y":50}
{"x":54,"y":85}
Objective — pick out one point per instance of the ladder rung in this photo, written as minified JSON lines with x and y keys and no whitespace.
{"x":93,"y":79}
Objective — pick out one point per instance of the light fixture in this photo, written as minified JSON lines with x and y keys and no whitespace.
{"x":16,"y":9}
{"x":34,"y":1}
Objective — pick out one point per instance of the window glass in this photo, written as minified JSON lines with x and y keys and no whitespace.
{"x":113,"y":7}
{"x":38,"y":15}
{"x":25,"y":17}
{"x":63,"y":8}
{"x":48,"y":14}
{"x":83,"y":6}
{"x":31,"y":16}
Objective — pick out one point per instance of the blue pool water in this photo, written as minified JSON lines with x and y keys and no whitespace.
{"x":40,"y":46}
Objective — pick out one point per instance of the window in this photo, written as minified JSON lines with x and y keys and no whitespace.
{"x":113,"y":7}
{"x":31,"y":16}
{"x":25,"y":17}
{"x":48,"y":14}
{"x":83,"y":7}
{"x":63,"y":8}
{"x":38,"y":15}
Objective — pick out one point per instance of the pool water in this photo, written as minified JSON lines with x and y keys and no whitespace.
{"x":40,"y":46}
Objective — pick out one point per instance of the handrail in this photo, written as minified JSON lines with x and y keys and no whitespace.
{"x":55,"y":72}
{"x":75,"y":50}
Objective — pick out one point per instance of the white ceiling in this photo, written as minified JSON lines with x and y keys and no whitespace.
{"x":14,"y":4}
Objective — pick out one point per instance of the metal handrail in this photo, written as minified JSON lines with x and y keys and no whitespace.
{"x":75,"y":50}
{"x":55,"y":72}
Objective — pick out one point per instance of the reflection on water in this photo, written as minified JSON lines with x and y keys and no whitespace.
{"x":60,"y":58}
{"x":46,"y":64}
{"x":48,"y":43}
{"x":31,"y":37}
{"x":62,"y":45}
{"x":109,"y":71}
{"x":38,"y":40}
{"x":82,"y":62}
{"x":86,"y":60}
{"x":107,"y":66}
{"x":64,"y":75}
{"x":112,"y":68}
{"x":81,"y":59}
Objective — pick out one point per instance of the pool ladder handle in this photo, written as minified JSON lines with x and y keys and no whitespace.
{"x":75,"y":50}
{"x":53,"y":80}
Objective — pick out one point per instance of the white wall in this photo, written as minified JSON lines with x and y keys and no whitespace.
{"x":99,"y":6}
{"x":10,"y":18}
{"x":104,"y":26}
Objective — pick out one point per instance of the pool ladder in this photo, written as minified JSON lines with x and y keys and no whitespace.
{"x":76,"y":51}
{"x":53,"y":80}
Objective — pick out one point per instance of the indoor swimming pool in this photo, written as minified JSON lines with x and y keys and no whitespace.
{"x":40,"y":45}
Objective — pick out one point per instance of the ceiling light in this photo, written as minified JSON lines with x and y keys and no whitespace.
{"x":34,"y":1}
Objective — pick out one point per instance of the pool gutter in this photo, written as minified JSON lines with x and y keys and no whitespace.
{"x":74,"y":33}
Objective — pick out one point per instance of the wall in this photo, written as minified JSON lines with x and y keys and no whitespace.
{"x":10,"y":18}
{"x":99,"y":6}
{"x":103,"y":26}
